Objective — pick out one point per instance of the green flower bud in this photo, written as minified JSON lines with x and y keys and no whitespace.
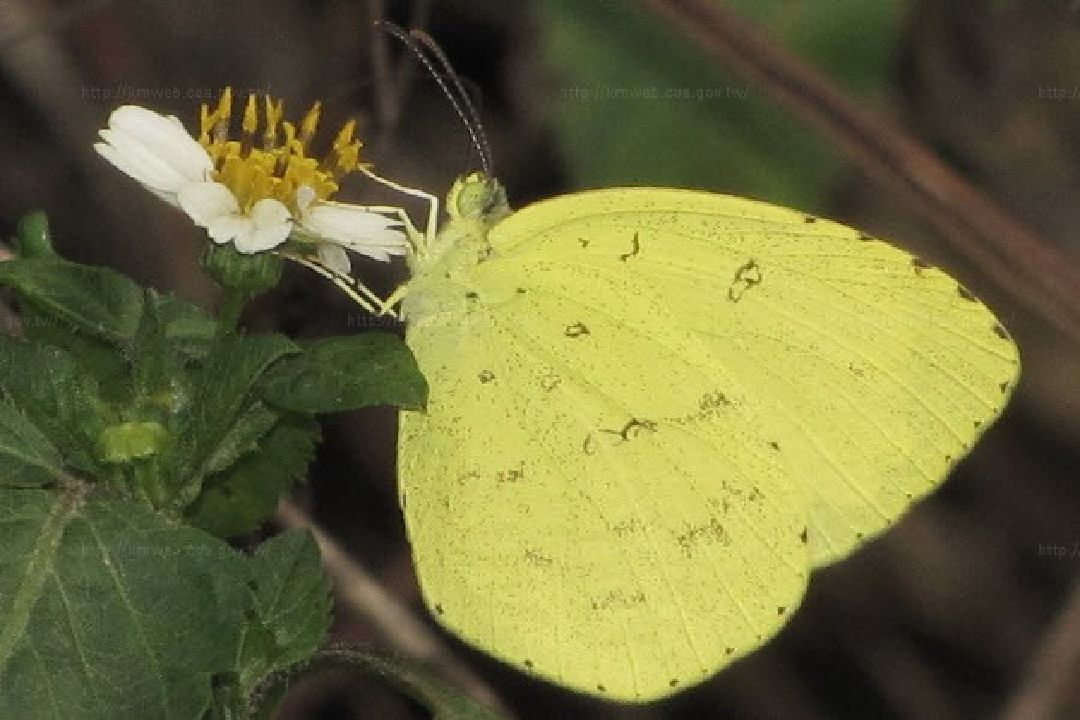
{"x":32,"y":238}
{"x":248,"y":275}
{"x":130,"y":441}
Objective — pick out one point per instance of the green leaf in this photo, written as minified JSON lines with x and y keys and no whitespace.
{"x":254,"y":422}
{"x":57,"y":396}
{"x":27,"y":458}
{"x":152,"y":361}
{"x":223,"y":389}
{"x":93,"y":299}
{"x":822,"y":34}
{"x":32,"y":237}
{"x":640,"y":104}
{"x":103,"y":361}
{"x":292,"y":607}
{"x":107,"y":611}
{"x":187,"y":327}
{"x":235,"y":501}
{"x":345,"y":373}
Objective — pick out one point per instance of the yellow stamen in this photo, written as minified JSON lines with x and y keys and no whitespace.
{"x":309,"y":123}
{"x":288,"y":145}
{"x":277,"y":169}
{"x":274,"y":113}
{"x":251,"y":116}
{"x":249,"y":125}
{"x":344,"y":156}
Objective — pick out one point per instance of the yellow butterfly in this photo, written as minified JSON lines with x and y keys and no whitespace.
{"x":653,"y":412}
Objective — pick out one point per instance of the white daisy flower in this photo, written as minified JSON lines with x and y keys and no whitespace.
{"x":254,"y":197}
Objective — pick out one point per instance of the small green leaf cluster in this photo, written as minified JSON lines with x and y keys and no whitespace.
{"x":138,"y":433}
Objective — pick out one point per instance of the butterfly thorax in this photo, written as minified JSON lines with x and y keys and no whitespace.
{"x":441,"y":270}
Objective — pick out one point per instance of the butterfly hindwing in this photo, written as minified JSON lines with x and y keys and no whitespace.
{"x":574,"y":512}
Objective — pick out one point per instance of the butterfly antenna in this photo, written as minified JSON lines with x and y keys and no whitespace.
{"x":456,"y":94}
{"x":474,"y":114}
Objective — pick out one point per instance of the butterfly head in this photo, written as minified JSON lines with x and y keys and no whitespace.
{"x":477,"y":196}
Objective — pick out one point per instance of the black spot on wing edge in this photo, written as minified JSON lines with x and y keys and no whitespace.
{"x":1001,"y":332}
{"x":965,"y":293}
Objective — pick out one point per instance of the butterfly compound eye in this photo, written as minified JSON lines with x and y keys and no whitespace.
{"x":477,"y":196}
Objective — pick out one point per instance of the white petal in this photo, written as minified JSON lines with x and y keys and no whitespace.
{"x":166,"y":135}
{"x":335,"y":258}
{"x":228,"y":228}
{"x":154,"y":149}
{"x":205,"y":202}
{"x":269,"y":211}
{"x":356,"y":229}
{"x":263,"y":238}
{"x":147,"y":170}
{"x":271,"y":225}
{"x":305,"y":194}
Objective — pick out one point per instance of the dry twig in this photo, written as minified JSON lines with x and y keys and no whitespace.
{"x":360,"y":591}
{"x":1050,"y":684}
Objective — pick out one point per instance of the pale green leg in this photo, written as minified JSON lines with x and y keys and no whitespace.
{"x":356,"y":290}
{"x":432,"y":201}
{"x":419,"y":246}
{"x":416,"y":238}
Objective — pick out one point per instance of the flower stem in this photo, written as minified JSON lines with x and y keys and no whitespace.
{"x":232,"y":305}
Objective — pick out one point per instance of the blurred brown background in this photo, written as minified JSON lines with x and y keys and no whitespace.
{"x":952,"y":614}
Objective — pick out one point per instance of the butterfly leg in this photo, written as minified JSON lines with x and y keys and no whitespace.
{"x":416,"y":238}
{"x":395,"y":298}
{"x":432,"y":201}
{"x":357,"y":291}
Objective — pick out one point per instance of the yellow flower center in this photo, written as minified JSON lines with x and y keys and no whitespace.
{"x":280,"y":164}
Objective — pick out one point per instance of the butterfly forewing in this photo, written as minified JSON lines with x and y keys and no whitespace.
{"x":875,"y":372}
